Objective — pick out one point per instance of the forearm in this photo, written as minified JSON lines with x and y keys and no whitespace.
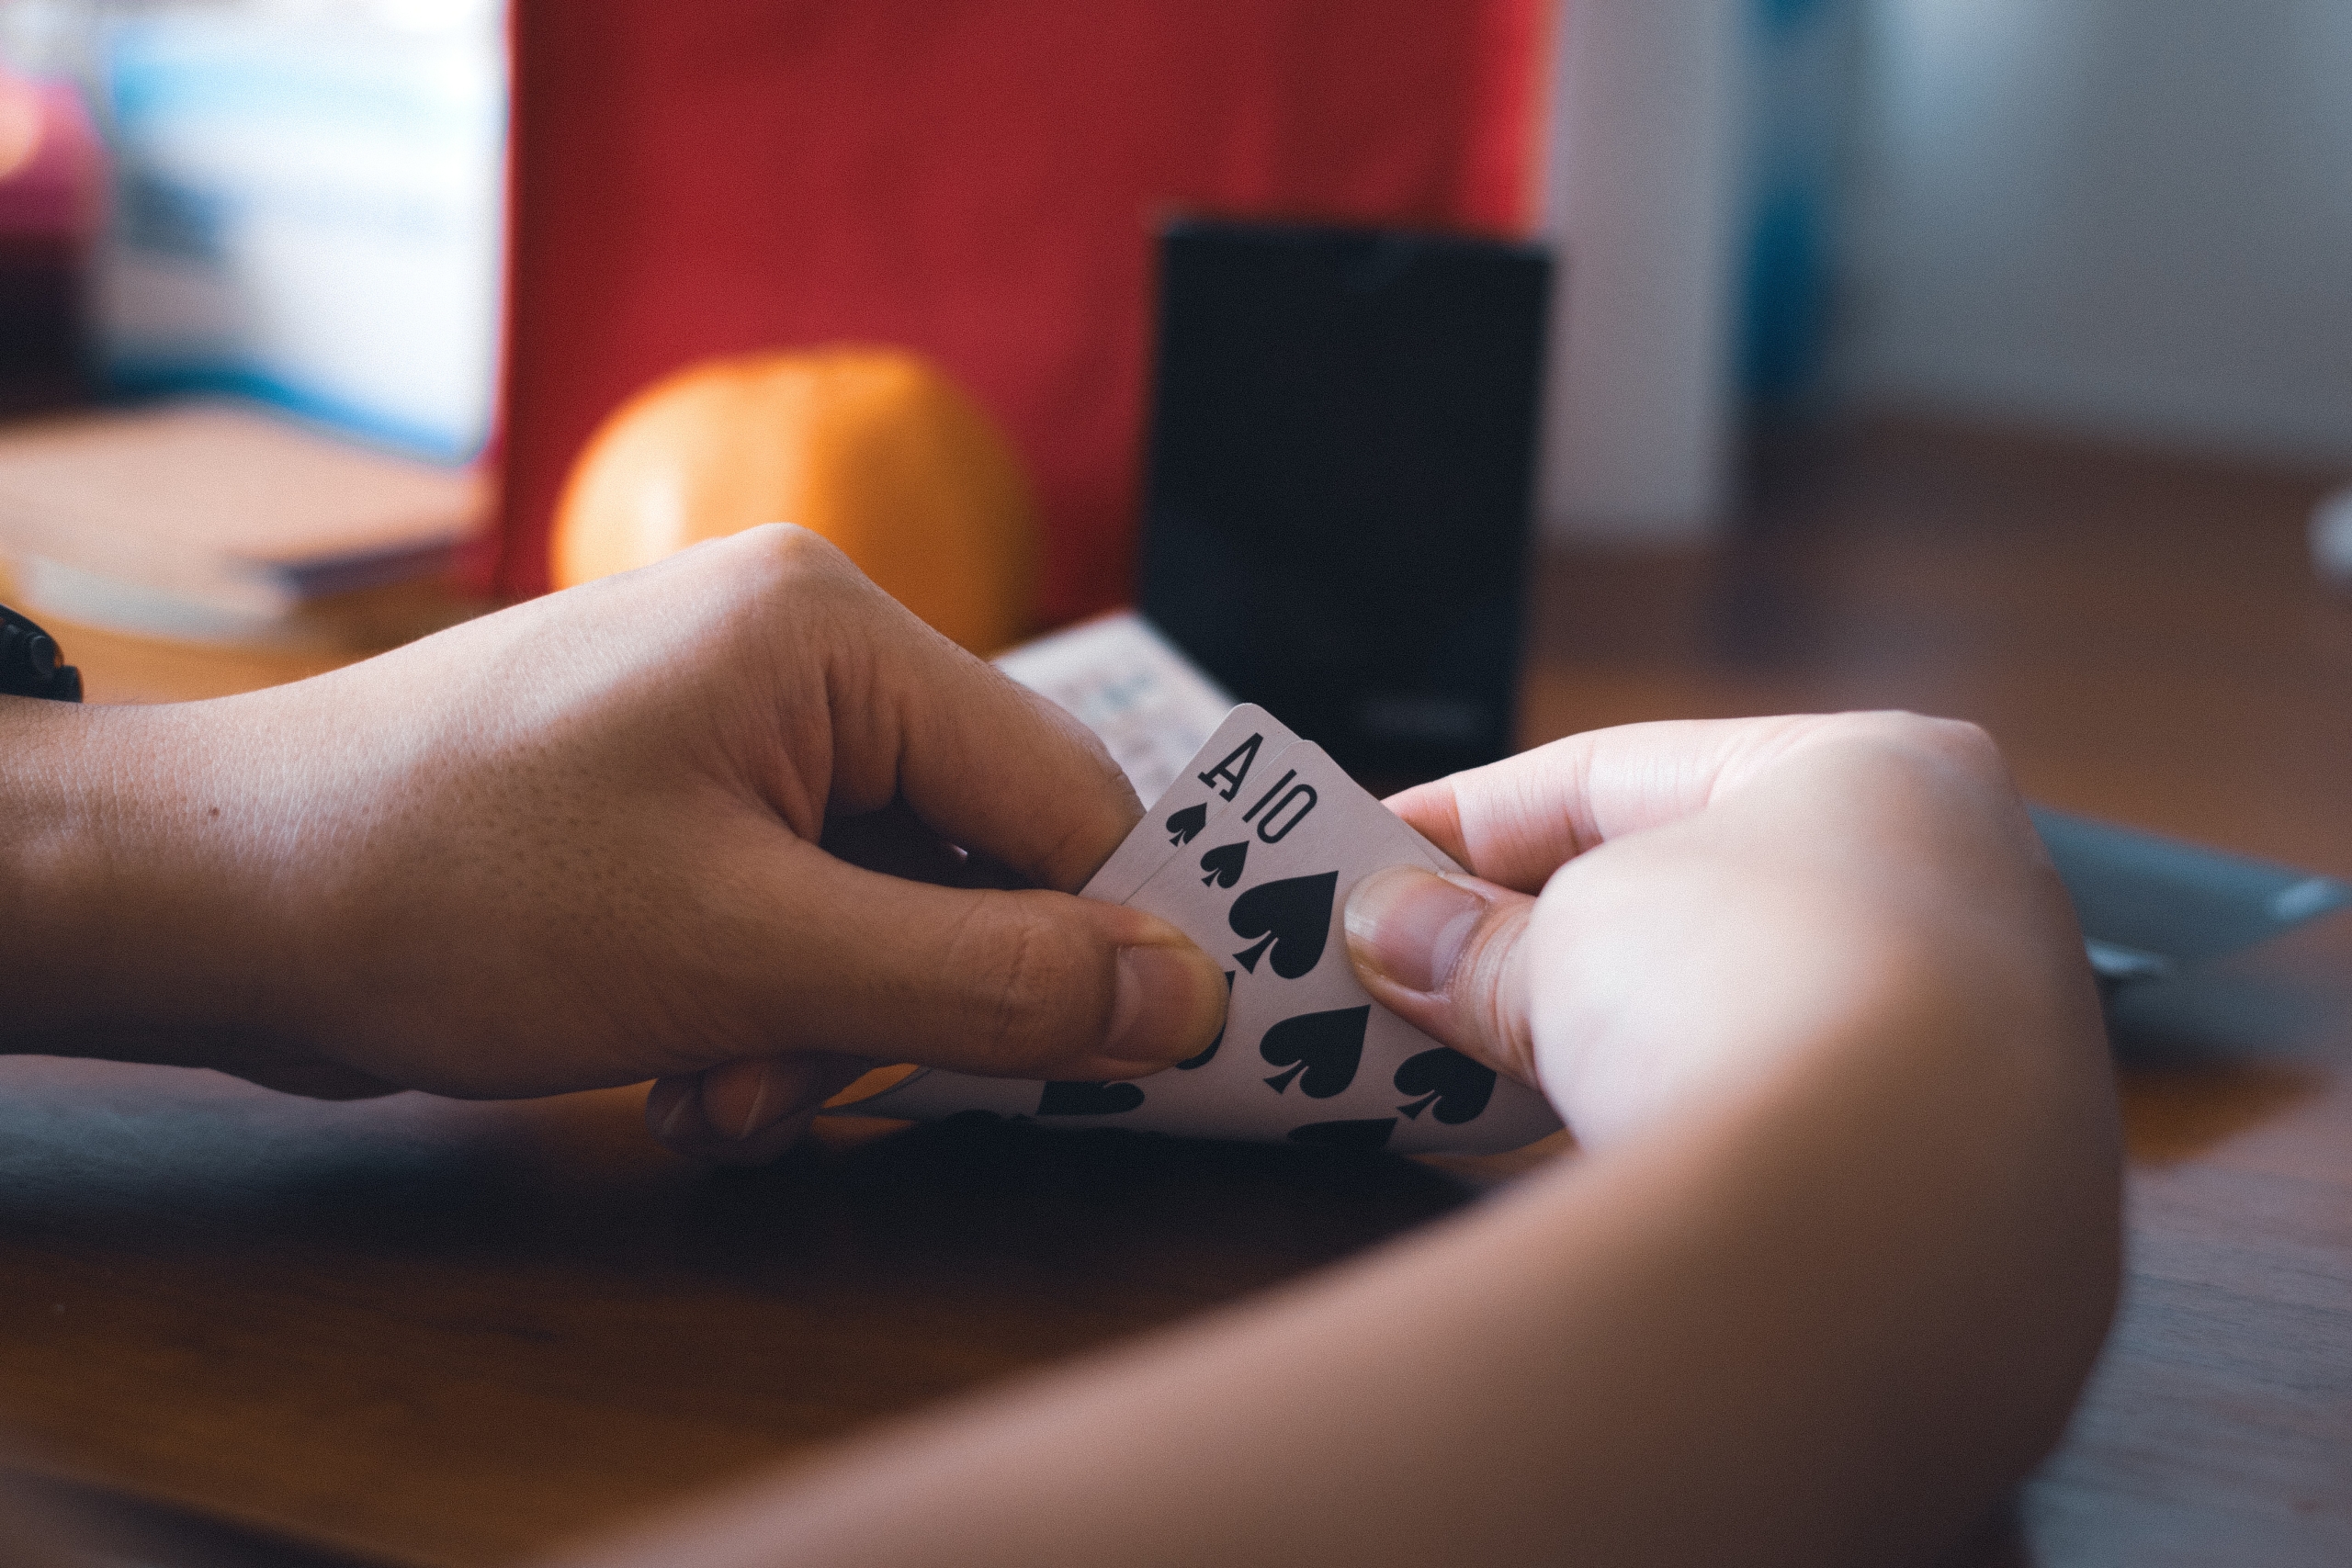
{"x":1826,"y":1319}
{"x":137,"y":852}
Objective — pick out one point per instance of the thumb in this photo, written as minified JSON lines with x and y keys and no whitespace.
{"x":1444,"y":953}
{"x":1027,"y":984}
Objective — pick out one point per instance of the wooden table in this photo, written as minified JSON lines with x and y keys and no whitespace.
{"x":422,"y":1332}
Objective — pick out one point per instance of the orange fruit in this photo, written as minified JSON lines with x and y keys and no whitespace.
{"x":874,"y":448}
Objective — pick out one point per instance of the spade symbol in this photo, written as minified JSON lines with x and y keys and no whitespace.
{"x":1223,"y":863}
{"x":1352,"y":1136}
{"x":1205,"y":1057}
{"x":1185,"y":824}
{"x":1326,"y":1048}
{"x":1459,"y":1086}
{"x":1088,"y":1098}
{"x":1293,"y":915}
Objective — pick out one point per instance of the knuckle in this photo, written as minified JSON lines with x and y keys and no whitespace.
{"x":1941,"y":743}
{"x":788,"y":559}
{"x":1487,"y":972}
{"x":791,"y":549}
{"x":789,"y":574}
{"x":1958,"y":740}
{"x":1030,"y":974}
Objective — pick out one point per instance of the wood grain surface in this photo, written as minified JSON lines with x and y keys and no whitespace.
{"x":422,"y":1332}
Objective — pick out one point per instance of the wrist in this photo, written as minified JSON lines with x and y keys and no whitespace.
{"x":127,"y":876}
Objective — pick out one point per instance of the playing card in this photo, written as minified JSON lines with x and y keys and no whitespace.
{"x":1306,"y":1055}
{"x":1207,"y":784}
{"x":1267,"y":895}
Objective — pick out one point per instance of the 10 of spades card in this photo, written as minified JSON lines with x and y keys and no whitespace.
{"x":1248,"y":733}
{"x":1252,"y":852}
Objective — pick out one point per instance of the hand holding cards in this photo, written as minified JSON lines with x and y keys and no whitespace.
{"x":1252,"y":852}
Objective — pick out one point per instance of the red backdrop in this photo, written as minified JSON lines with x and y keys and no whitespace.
{"x":973,"y":178}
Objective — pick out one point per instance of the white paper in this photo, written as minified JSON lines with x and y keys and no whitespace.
{"x":1117,"y":674}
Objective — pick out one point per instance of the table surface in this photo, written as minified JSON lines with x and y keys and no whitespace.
{"x":417,"y":1331}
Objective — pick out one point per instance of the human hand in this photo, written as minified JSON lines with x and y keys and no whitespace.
{"x":1843,"y":1246}
{"x":579,"y":843}
{"x":1713,"y":894}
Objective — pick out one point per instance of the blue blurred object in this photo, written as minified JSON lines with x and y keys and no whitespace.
{"x":1800,"y":77}
{"x":308,"y":212}
{"x":2150,"y":906}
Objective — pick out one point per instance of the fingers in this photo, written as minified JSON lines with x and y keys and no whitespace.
{"x":1446,"y":953}
{"x":998,"y":769}
{"x":989,"y":1002}
{"x":745,"y":1113}
{"x":1030,"y":984}
{"x":990,"y":765}
{"x":1033,"y":985}
{"x":1517,"y":821}
{"x":1800,"y":866}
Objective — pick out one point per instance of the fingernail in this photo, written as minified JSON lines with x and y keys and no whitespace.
{"x":1411,"y":926}
{"x":741,"y":1100}
{"x":1166,"y":1007}
{"x":760,"y":1098}
{"x":674,"y":1117}
{"x":787,"y":1084}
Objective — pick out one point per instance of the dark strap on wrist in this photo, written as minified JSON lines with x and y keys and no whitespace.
{"x":31,"y":664}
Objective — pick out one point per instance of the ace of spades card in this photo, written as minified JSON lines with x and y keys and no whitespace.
{"x":1272,"y":839}
{"x":1205,"y":787}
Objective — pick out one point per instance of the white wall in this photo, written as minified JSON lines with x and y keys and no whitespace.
{"x":2126,"y":216}
{"x":1639,"y":197}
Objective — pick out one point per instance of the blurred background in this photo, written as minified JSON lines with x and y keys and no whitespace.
{"x":2120,"y":218}
{"x":2066,"y":274}
{"x":2101,"y":217}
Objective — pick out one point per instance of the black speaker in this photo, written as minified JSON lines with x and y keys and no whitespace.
{"x":1342,"y":473}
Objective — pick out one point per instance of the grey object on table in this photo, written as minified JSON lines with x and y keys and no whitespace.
{"x":2150,"y":906}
